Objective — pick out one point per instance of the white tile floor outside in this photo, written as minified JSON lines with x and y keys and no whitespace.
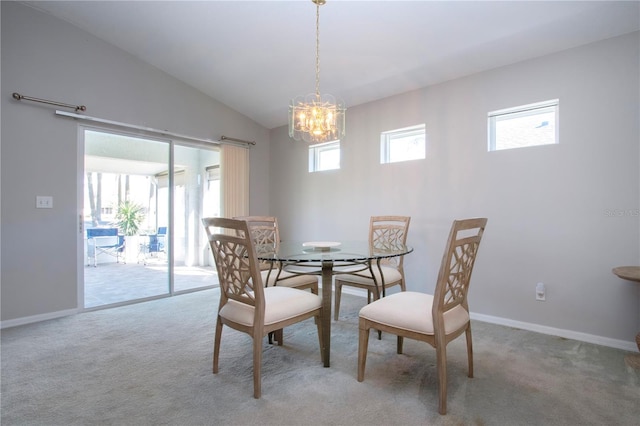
{"x":112,"y":282}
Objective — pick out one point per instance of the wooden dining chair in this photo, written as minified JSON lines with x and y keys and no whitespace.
{"x":245,"y":304}
{"x":436,"y":319}
{"x":266,"y":237}
{"x":384,"y":232}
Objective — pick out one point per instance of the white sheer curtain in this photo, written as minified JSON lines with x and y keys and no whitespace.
{"x":234,"y":181}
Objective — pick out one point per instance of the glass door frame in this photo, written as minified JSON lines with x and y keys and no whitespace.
{"x":170,"y":239}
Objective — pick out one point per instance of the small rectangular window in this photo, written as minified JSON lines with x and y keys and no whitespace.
{"x":325,"y":156}
{"x":523,"y":126}
{"x":402,"y":144}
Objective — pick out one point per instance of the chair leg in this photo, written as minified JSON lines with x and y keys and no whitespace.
{"x":216,"y":345}
{"x":275,"y":336}
{"x":400,"y":342}
{"x":257,"y":362}
{"x":363,"y":343}
{"x":338,"y":293}
{"x":469,"y":349}
{"x":441,"y":361}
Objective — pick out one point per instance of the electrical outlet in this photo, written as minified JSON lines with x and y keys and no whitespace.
{"x":44,"y":202}
{"x":540,"y":292}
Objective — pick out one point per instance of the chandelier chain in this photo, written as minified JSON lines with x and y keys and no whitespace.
{"x":318,"y":49}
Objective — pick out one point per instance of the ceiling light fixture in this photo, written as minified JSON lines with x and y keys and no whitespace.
{"x":317,"y":118}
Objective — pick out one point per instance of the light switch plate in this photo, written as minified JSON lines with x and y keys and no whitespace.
{"x":44,"y":202}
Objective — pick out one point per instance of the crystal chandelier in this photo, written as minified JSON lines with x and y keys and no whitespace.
{"x":316,"y":118}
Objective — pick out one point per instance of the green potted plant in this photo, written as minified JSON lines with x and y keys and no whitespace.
{"x":129,"y":217}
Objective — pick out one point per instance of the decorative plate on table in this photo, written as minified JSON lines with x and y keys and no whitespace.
{"x":321,"y":245}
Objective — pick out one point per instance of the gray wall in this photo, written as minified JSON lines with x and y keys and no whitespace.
{"x":47,"y":58}
{"x":563,"y":215}
{"x":553,"y":210}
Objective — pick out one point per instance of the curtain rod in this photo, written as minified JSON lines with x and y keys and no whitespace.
{"x":223,"y":139}
{"x":19,"y":97}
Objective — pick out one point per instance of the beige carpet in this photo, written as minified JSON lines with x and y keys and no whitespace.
{"x":150,"y":364}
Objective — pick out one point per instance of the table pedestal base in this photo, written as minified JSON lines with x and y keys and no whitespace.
{"x":631,"y":273}
{"x":633,"y":360}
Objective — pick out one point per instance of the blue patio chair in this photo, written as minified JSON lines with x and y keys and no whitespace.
{"x":159,"y":240}
{"x":104,"y":241}
{"x":156,"y":243}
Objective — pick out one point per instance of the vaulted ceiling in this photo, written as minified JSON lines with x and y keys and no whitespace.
{"x":254,"y":56}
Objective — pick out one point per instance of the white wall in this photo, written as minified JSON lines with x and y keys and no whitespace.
{"x":548,"y":206}
{"x":47,"y":58}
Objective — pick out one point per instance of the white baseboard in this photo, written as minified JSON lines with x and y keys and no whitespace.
{"x":567,"y":334}
{"x":354,"y":291}
{"x":37,"y":318}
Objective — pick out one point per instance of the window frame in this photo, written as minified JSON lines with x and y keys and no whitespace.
{"x":521,"y":111}
{"x":387,"y":138}
{"x":315,"y":155}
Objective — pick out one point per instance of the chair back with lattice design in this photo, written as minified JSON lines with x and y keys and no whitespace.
{"x":388,"y":233}
{"x":457,"y":264}
{"x":265,"y":235}
{"x":236,"y":261}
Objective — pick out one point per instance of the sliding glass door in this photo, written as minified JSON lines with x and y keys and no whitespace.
{"x":196,"y":195}
{"x":142,"y":204}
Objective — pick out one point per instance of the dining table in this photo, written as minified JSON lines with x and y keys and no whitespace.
{"x":328,"y":258}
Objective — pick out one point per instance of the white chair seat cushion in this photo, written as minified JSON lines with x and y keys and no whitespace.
{"x":391,"y":275}
{"x":411,"y":311}
{"x":287,"y":279}
{"x":281,"y":303}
